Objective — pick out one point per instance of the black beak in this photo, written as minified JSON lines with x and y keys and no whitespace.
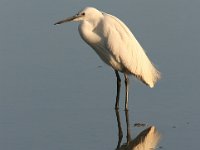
{"x":67,"y":20}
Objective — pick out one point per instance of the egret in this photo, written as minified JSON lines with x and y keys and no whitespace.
{"x":116,"y":46}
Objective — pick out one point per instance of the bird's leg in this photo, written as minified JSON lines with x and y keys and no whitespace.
{"x":127,"y":87}
{"x":118,"y":89}
{"x":128,"y":133}
{"x":120,"y":132}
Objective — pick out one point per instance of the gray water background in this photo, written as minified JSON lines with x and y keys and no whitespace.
{"x":56,"y":94}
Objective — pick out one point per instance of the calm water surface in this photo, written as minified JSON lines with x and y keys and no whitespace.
{"x":55,"y":93}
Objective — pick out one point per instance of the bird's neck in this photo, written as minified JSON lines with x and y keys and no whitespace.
{"x":87,"y":32}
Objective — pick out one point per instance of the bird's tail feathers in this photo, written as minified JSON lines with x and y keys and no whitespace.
{"x":146,"y":71}
{"x":153,"y":75}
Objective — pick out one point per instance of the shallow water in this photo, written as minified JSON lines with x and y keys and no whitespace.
{"x":55,"y":93}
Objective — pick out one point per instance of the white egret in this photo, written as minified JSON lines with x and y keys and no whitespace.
{"x":116,"y":46}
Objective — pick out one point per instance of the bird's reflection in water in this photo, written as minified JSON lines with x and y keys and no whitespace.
{"x":146,"y":140}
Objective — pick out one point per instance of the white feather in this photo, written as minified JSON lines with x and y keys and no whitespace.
{"x":126,"y":50}
{"x":117,"y":46}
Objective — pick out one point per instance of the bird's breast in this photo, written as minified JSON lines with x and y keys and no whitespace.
{"x":92,"y":36}
{"x":87,"y":33}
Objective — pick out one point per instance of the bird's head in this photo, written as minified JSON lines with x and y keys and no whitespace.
{"x":87,"y":14}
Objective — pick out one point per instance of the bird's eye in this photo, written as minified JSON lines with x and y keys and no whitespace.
{"x":83,"y":14}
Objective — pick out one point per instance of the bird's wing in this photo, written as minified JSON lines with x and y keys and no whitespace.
{"x":125,"y":49}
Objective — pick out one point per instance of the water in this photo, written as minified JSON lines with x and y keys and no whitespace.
{"x":55,"y":93}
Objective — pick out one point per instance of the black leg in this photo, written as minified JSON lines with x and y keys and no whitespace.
{"x":128,"y":133}
{"x":120,"y":133}
{"x":118,"y":89}
{"x":127,"y":87}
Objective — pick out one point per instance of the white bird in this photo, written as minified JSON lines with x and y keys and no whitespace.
{"x":116,"y":46}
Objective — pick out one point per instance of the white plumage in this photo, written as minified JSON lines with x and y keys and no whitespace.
{"x":115,"y":45}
